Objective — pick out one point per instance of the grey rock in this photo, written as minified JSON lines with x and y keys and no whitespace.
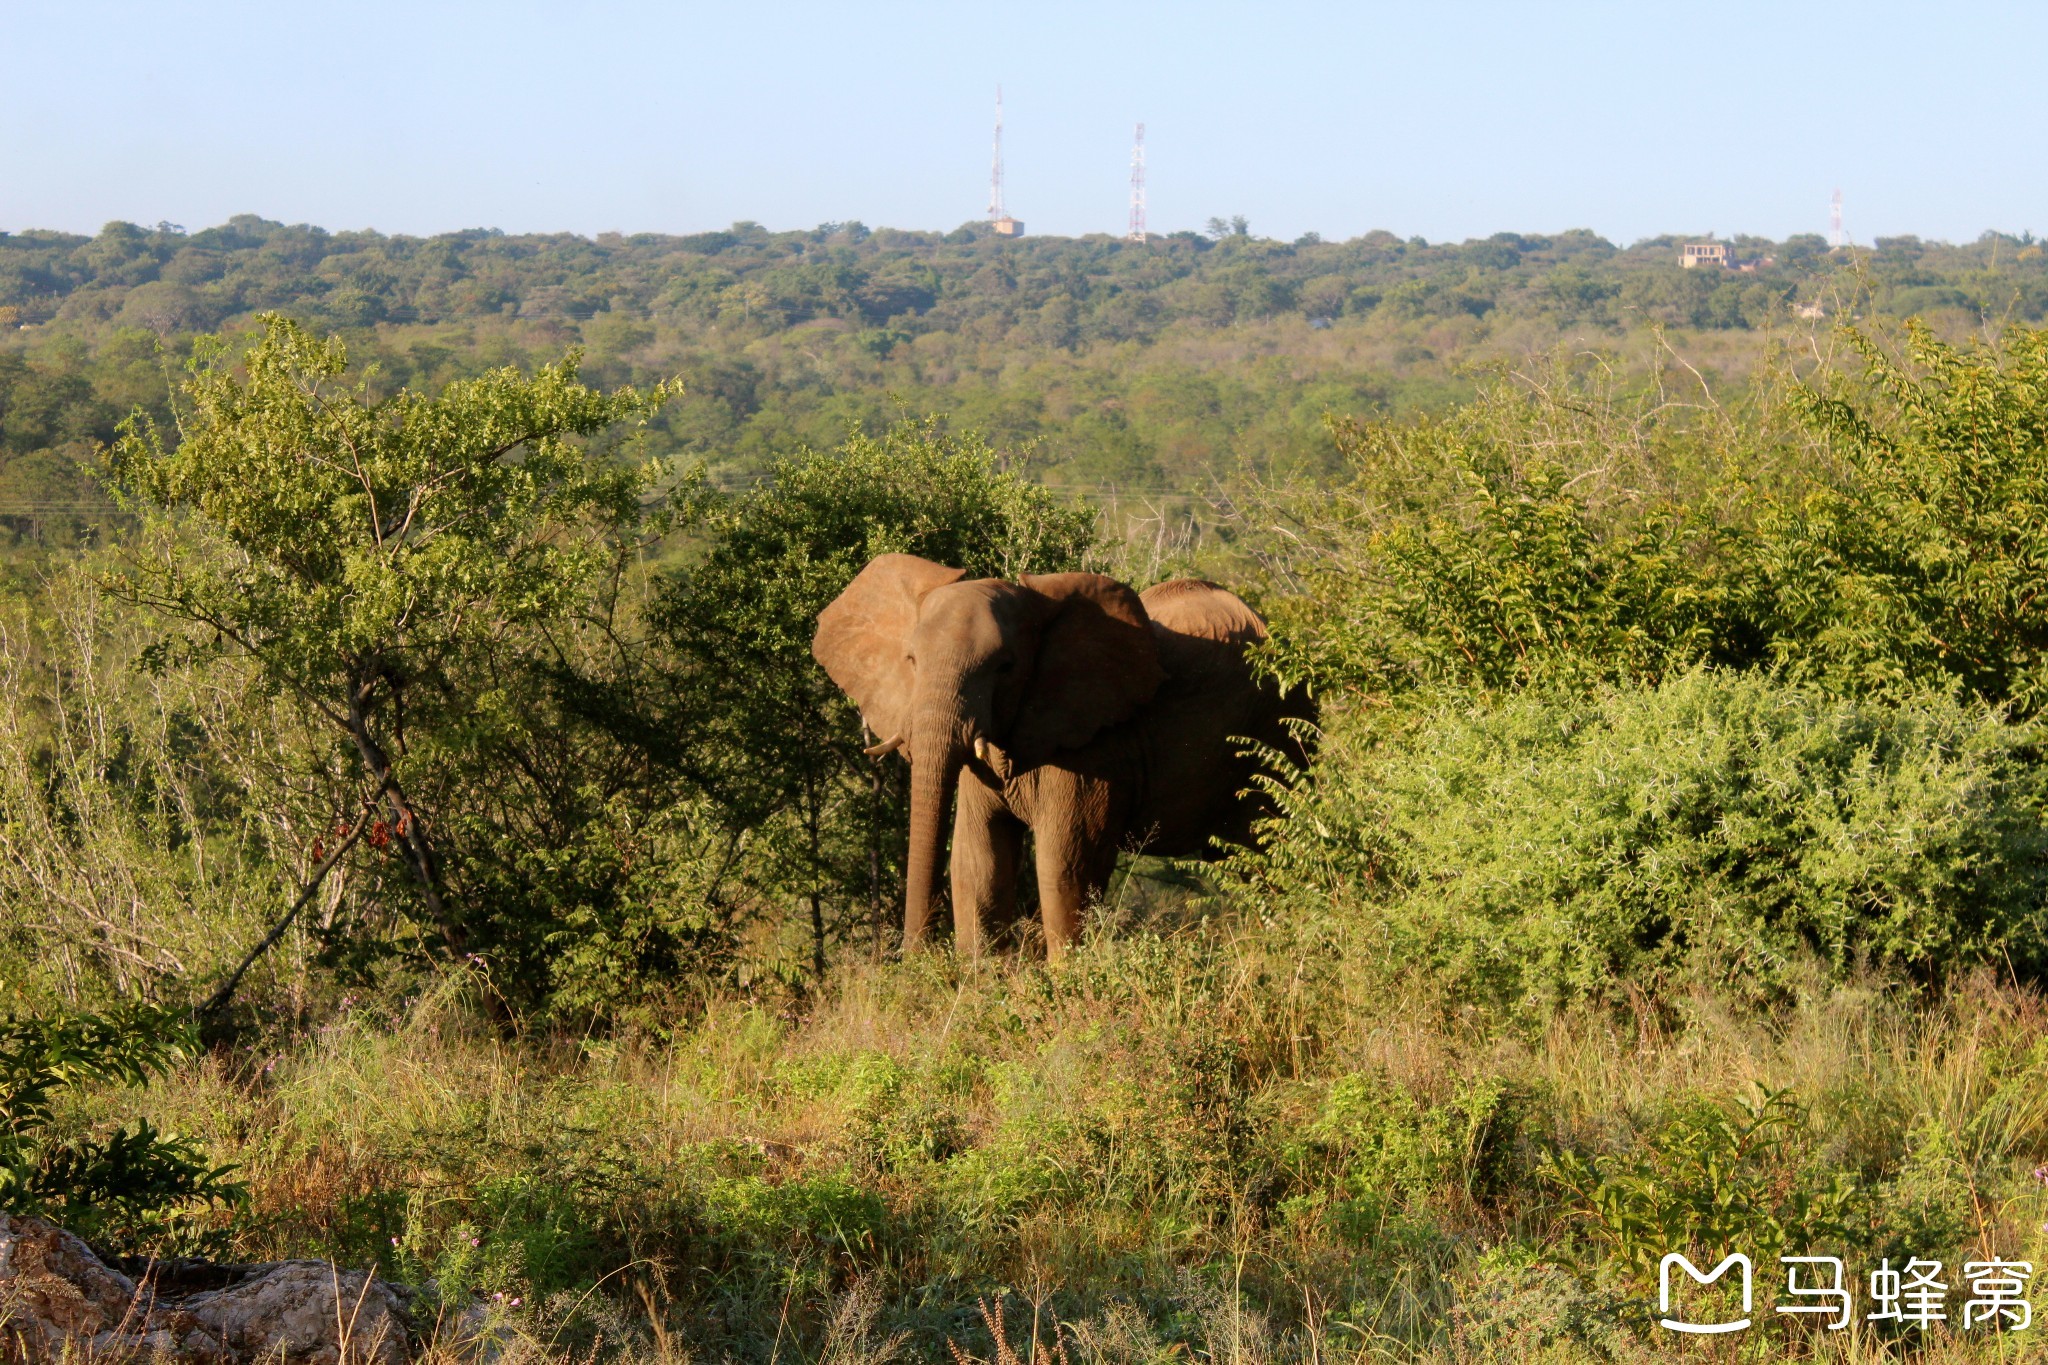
{"x":57,"y":1297}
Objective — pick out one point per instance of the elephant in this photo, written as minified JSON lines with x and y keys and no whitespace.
{"x":1097,"y":718}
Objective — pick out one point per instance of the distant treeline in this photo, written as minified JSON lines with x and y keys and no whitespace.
{"x":1066,"y":290}
{"x":1105,"y":368}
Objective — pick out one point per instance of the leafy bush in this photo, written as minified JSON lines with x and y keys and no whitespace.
{"x":413,"y":574}
{"x":1498,"y":573}
{"x":131,"y":851}
{"x":1554,"y":533}
{"x":1925,"y":562}
{"x":778,"y":1223}
{"x":132,"y":1189}
{"x":1720,"y":826}
{"x":1707,"y":1175}
{"x":1393,"y":1151}
{"x":1556,"y":528}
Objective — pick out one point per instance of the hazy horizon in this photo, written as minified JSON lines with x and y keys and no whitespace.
{"x":1449,"y":123}
{"x":1649,"y":239}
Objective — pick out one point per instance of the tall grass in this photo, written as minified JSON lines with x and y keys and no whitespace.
{"x":1228,"y":1143}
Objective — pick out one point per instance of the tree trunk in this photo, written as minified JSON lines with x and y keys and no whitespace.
{"x":813,"y":820}
{"x":407,"y":827}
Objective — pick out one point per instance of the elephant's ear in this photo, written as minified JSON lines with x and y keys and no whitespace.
{"x":863,"y":637}
{"x":1096,"y":663}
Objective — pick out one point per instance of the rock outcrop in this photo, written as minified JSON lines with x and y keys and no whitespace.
{"x":58,"y":1300}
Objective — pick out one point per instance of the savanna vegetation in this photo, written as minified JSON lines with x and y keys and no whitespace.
{"x":428,"y":842}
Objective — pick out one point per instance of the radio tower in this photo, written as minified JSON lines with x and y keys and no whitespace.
{"x":1836,"y":237}
{"x":999,"y":218}
{"x":1137,"y":233}
{"x":995,"y":176}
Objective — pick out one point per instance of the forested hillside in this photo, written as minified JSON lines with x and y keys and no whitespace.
{"x":1147,"y":369}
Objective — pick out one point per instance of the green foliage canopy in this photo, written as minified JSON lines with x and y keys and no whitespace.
{"x":1556,"y":806}
{"x":1719,"y":827}
{"x":1927,"y":560}
{"x":1480,"y":568}
{"x":1464,"y":553}
{"x":363,"y":552}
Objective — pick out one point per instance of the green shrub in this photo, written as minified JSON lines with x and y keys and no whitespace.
{"x":1465,"y":554}
{"x":1925,"y":562}
{"x":132,"y":1189}
{"x":1880,"y":530}
{"x":901,"y":1120}
{"x":1395,"y":1142}
{"x":825,"y":1215}
{"x":1382,"y":1165}
{"x":1714,"y":1176}
{"x":1719,"y":827}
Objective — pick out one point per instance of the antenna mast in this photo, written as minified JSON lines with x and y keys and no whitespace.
{"x":1836,"y":237}
{"x":1137,"y":233}
{"x":995,"y":179}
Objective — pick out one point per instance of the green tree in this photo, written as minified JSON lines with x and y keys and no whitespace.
{"x":1466,"y":553}
{"x":371,"y":556}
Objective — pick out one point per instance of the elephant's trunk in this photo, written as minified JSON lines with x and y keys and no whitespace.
{"x":937,"y":754}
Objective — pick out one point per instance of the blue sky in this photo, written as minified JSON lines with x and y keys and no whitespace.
{"x":1444,"y":119}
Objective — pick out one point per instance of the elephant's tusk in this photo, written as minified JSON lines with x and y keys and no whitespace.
{"x":887,"y":746}
{"x":997,"y":760}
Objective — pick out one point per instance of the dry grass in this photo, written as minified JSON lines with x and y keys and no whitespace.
{"x":1139,"y":1144}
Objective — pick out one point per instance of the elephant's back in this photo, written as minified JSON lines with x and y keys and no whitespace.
{"x":1194,"y":770}
{"x":1201,"y":632}
{"x":1200,"y":610}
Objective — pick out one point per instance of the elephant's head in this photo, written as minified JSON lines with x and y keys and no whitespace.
{"x":952,"y":671}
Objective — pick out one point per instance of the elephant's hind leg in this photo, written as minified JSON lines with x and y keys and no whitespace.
{"x":987,"y":842}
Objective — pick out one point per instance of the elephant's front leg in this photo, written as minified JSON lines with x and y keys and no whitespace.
{"x":1073,"y":832}
{"x":987,"y":841}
